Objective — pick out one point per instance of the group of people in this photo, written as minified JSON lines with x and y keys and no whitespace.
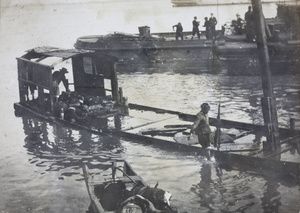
{"x":241,"y":26}
{"x":209,"y":24}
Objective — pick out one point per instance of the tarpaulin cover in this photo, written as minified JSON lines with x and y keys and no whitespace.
{"x":55,"y":52}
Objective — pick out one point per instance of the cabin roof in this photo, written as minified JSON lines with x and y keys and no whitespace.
{"x":42,"y":53}
{"x":54,"y":52}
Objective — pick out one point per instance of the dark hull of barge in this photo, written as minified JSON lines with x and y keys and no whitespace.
{"x":231,"y":55}
{"x":241,"y":57}
{"x":156,"y":126}
{"x":152,"y":53}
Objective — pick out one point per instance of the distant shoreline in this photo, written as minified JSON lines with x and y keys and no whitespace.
{"x":199,"y":3}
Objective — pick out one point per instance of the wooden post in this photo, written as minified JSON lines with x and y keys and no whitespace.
{"x":292,"y":124}
{"x":114,"y":84}
{"x":268,"y":101}
{"x":120,"y":101}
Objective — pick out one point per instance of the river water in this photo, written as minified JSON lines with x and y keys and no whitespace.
{"x":43,"y":174}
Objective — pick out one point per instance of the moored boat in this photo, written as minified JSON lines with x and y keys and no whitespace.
{"x":240,"y":56}
{"x":124,"y":191}
{"x":146,"y":51}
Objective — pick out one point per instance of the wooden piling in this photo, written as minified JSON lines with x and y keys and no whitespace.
{"x":114,"y":84}
{"x":293,"y":123}
{"x":268,"y":101}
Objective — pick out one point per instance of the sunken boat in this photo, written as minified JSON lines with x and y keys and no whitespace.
{"x":122,"y":190}
{"x":95,"y":103}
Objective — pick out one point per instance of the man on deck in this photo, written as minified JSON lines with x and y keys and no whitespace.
{"x":201,"y":126}
{"x":57,"y":77}
{"x":179,"y":30}
{"x":213,"y":22}
{"x":195,"y":28}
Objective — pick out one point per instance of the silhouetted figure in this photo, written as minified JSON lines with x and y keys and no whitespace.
{"x":250,"y":26}
{"x":213,"y":22}
{"x":179,"y":31}
{"x":207,"y":25}
{"x":195,"y":28}
{"x":57,"y":77}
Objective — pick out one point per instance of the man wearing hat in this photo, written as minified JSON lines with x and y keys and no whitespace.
{"x":213,"y":22}
{"x":57,"y":77}
{"x":201,"y":126}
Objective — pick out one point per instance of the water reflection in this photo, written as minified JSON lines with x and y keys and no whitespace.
{"x":223,"y":189}
{"x":271,"y":197}
{"x":57,"y":147}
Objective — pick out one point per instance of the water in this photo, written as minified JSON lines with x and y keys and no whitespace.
{"x":43,"y":174}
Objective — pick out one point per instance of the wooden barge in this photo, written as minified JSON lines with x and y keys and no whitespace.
{"x":233,"y":54}
{"x":146,"y":52}
{"x":98,"y":106}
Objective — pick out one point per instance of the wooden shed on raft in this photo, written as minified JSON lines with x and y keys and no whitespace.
{"x":89,"y":71}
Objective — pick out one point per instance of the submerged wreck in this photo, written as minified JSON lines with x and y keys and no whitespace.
{"x":122,"y":190}
{"x":93,"y":94}
{"x":94,"y":102}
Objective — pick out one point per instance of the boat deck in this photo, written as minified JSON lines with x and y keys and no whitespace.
{"x":241,"y":143}
{"x":166,"y":127}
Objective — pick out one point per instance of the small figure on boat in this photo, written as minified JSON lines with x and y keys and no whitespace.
{"x":57,"y":77}
{"x":250,"y":26}
{"x":238,"y":25}
{"x":201,"y":127}
{"x":179,"y":30}
{"x":213,"y":22}
{"x":207,"y":25}
{"x":195,"y":28}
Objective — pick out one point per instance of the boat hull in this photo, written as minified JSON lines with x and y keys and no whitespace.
{"x":242,"y":149}
{"x":187,"y":56}
{"x":105,"y":200}
{"x":241,"y":58}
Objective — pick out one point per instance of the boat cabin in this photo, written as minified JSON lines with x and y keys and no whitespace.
{"x":88,"y":78}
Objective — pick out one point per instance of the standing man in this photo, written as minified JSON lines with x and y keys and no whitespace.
{"x":207,"y":26}
{"x":249,"y":27}
{"x":179,"y":30}
{"x":201,"y":126}
{"x":57,"y":77}
{"x":195,"y":28}
{"x":213,"y":22}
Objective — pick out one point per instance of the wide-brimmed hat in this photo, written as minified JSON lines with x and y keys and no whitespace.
{"x":64,"y":70}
